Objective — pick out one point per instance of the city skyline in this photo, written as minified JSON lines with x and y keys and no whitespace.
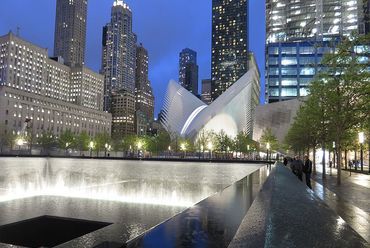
{"x":162,"y":44}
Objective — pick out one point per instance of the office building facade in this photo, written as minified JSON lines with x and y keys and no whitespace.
{"x":188,"y":70}
{"x":123,"y":114}
{"x":70,"y":31}
{"x":144,"y":98}
{"x":291,"y":66}
{"x":206,"y":91}
{"x":229,"y":43}
{"x":298,"y":34}
{"x":288,"y":20}
{"x":39,"y":89}
{"x":119,"y":53}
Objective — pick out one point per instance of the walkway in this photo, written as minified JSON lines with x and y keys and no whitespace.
{"x":351,"y":199}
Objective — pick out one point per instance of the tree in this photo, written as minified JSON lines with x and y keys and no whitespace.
{"x":223,"y":143}
{"x":164,"y":140}
{"x":101,"y":139}
{"x":269,"y":137}
{"x":46,"y":140}
{"x":66,"y":140}
{"x":82,"y":141}
{"x":301,"y":136}
{"x":7,"y":138}
{"x":243,"y":143}
{"x":346,"y":92}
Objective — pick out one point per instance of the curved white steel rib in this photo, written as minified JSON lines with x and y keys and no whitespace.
{"x":185,"y":115}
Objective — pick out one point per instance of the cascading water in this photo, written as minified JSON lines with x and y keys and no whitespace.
{"x":158,"y":183}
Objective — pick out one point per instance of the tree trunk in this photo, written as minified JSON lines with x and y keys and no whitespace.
{"x":314,"y":160}
{"x":345,"y":159}
{"x":323,"y":161}
{"x":368,"y":153}
{"x":339,"y":167}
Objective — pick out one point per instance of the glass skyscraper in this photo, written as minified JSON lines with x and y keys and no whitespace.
{"x":288,"y":20}
{"x":298,"y":34}
{"x":70,"y":31}
{"x":188,"y":70}
{"x":119,"y":53}
{"x":144,"y":104}
{"x":229,"y":43}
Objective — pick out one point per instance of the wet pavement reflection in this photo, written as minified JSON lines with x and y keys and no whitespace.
{"x":211,"y":223}
{"x":351,"y":199}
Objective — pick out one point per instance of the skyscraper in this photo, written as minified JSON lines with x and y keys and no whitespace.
{"x":299,"y":34}
{"x":206,"y":91}
{"x":144,"y":104}
{"x":70,"y":31}
{"x":188,"y":70}
{"x":119,"y":53}
{"x":229,"y":43}
{"x":288,"y":20}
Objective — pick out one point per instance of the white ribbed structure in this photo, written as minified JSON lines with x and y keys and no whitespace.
{"x":185,"y":115}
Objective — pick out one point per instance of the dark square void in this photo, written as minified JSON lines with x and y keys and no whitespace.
{"x":47,"y":231}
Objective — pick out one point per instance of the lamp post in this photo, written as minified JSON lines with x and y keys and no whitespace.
{"x":248,"y":152}
{"x":228,"y":151}
{"x":106,"y":148}
{"x":139,"y":146}
{"x":268,"y":148}
{"x":210,"y":147}
{"x":183,"y":147}
{"x":67,"y":145}
{"x":19,"y":143}
{"x":91,"y":146}
{"x":169,"y":151}
{"x":361,"y":140}
{"x":202,"y":149}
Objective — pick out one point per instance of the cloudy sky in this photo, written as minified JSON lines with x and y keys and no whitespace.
{"x":164,"y":27}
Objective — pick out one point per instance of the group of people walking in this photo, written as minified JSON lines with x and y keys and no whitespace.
{"x":299,"y":167}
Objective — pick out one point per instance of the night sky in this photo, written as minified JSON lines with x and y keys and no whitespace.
{"x":164,"y":27}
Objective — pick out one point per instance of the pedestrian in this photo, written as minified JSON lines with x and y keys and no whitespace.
{"x":297,"y":167}
{"x":307,"y":169}
{"x":285,"y":161}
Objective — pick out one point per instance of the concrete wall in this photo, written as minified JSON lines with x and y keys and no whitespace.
{"x":277,"y":116}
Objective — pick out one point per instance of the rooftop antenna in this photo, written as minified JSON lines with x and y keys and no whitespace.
{"x":18,"y":29}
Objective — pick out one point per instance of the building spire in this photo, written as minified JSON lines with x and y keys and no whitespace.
{"x":120,"y":3}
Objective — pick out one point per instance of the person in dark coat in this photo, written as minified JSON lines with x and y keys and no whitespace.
{"x":297,"y":167}
{"x":307,"y":169}
{"x":285,"y":161}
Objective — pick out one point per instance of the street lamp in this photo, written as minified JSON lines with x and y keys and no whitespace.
{"x":183,"y":147}
{"x":20,"y":142}
{"x":202,"y":149}
{"x":248,"y":152}
{"x":210,"y":147}
{"x":91,"y":146}
{"x":67,"y":145}
{"x":169,"y":151}
{"x":268,"y":148}
{"x":361,"y":140}
{"x":106,"y":147}
{"x":139,"y":146}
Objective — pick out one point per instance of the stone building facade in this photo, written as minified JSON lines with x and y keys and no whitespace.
{"x":51,"y":95}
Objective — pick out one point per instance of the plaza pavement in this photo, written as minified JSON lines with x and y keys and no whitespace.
{"x":351,"y":199}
